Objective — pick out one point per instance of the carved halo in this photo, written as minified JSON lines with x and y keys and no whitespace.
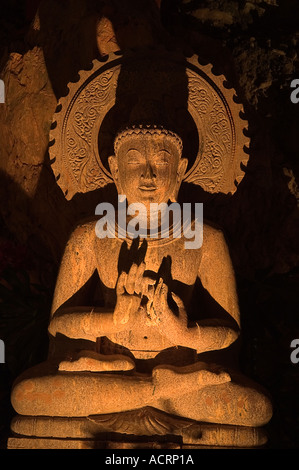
{"x":86,"y":120}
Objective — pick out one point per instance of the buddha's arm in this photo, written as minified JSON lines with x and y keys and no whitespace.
{"x":77,"y":266}
{"x":76,"y":321}
{"x":207,"y":337}
{"x":83,"y":323}
{"x":217,"y":277}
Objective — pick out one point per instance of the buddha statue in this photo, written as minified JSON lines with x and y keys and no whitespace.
{"x":138,"y":318}
{"x":143,"y":330}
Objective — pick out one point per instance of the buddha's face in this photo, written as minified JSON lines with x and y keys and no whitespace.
{"x":148,"y":169}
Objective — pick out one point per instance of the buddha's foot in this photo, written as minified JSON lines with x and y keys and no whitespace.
{"x":174,"y":381}
{"x":91,"y":361}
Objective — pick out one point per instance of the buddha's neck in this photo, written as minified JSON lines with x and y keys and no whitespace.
{"x":152,"y":220}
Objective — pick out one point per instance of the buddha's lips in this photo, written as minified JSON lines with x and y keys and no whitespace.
{"x":147,"y":188}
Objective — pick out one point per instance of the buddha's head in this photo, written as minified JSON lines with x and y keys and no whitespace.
{"x":147,"y":165}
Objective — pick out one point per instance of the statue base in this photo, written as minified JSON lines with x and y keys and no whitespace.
{"x":145,"y":428}
{"x":61,"y":444}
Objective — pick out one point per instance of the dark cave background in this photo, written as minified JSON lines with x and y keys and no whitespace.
{"x":256,"y":45}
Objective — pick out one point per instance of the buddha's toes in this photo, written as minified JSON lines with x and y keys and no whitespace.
{"x":175,"y":381}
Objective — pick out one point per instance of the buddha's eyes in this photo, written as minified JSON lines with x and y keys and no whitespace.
{"x":162,"y":162}
{"x":133,"y":161}
{"x":162,"y":158}
{"x":134,"y":157}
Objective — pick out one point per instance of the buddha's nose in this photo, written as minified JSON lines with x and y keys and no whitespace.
{"x":148,"y":173}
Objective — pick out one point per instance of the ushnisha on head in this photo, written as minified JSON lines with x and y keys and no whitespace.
{"x":147,"y":165}
{"x":147,"y":131}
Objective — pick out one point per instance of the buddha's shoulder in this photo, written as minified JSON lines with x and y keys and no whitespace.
{"x":212,"y":234}
{"x":84,"y":231}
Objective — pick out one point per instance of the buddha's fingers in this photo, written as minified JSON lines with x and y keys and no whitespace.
{"x":120,"y":286}
{"x":160,"y":290}
{"x":147,"y":287}
{"x":182,"y":312}
{"x":178,"y":301}
{"x":139,"y":278}
{"x":155,"y":303}
{"x":131,"y":278}
{"x":136,"y":282}
{"x":159,"y":297}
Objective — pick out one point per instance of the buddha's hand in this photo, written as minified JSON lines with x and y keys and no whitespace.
{"x":201,"y":337}
{"x":129,"y":291}
{"x":170,"y":324}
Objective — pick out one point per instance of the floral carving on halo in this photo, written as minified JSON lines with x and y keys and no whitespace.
{"x":76,"y":161}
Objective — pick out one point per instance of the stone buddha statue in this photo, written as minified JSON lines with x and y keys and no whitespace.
{"x":137,"y":323}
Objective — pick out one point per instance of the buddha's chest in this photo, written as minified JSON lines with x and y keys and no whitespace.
{"x":177,"y":267}
{"x":171,"y":261}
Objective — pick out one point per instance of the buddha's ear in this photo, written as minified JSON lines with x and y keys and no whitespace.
{"x":113,"y":165}
{"x":182,"y":167}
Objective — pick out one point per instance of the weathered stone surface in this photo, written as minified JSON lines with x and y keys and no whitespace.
{"x":138,"y":423}
{"x":26,"y":443}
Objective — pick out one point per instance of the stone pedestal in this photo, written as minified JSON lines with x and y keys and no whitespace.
{"x":146,"y":428}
